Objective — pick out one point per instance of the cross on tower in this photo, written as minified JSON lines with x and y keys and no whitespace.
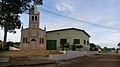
{"x":36,"y":2}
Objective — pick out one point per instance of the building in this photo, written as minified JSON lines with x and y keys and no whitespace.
{"x":70,"y":35}
{"x":33,"y":38}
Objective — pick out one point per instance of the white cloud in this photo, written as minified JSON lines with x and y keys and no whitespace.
{"x":14,"y":37}
{"x":58,"y":25}
{"x":65,"y":7}
{"x":109,"y":39}
{"x":10,"y":36}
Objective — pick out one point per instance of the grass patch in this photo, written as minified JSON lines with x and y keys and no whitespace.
{"x":2,"y":52}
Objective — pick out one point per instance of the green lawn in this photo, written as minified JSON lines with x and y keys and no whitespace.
{"x":1,"y":52}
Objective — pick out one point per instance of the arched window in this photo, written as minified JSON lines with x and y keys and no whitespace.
{"x":32,"y":18}
{"x":42,"y":40}
{"x":23,"y":39}
{"x":33,"y":40}
{"x":26,"y":39}
{"x":35,"y":18}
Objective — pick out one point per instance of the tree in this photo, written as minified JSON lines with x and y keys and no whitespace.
{"x":67,"y":45}
{"x":7,"y":45}
{"x":9,"y":14}
{"x":17,"y":44}
{"x":119,"y":44}
{"x":93,"y":47}
{"x":11,"y":23}
{"x":74,"y":47}
{"x":0,"y":45}
{"x":62,"y":46}
{"x":79,"y":46}
{"x":112,"y":48}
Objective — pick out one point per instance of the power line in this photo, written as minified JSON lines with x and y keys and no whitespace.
{"x":53,"y":13}
{"x":49,"y":14}
{"x":78,"y":13}
{"x":78,"y":20}
{"x":74,"y":11}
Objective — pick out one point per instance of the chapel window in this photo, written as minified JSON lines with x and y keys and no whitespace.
{"x":32,"y":18}
{"x":35,"y":18}
{"x":23,"y":39}
{"x":42,"y":40}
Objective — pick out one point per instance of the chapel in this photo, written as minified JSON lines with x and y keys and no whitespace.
{"x":33,"y":38}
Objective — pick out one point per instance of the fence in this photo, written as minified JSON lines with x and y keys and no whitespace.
{"x":71,"y":54}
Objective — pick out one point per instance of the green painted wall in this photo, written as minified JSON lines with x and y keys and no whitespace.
{"x":70,"y":35}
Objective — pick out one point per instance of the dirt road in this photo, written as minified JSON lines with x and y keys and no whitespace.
{"x":106,"y":60}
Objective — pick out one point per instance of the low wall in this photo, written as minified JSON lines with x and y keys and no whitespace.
{"x":13,"y":48}
{"x":71,"y":54}
{"x":118,"y":51}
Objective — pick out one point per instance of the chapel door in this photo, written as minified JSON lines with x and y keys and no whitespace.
{"x":32,"y":44}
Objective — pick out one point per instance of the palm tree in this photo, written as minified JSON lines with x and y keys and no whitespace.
{"x":74,"y":47}
{"x":67,"y":45}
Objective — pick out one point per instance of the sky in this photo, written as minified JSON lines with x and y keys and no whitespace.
{"x":99,"y":18}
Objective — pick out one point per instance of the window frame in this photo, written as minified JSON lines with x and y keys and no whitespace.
{"x":76,"y":41}
{"x":85,"y":42}
{"x":63,"y":41}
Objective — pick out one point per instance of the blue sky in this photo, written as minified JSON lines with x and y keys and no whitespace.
{"x":93,"y":16}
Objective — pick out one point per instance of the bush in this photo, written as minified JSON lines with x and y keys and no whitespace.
{"x":0,"y":47}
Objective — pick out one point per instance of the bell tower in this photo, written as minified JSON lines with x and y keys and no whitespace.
{"x":33,"y":32}
{"x":33,"y":38}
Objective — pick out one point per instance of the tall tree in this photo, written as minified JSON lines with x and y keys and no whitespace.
{"x":93,"y":47}
{"x":119,"y":44}
{"x":9,"y":14}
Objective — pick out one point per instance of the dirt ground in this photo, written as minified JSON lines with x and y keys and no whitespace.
{"x":18,"y":58}
{"x":21,"y":62}
{"x":106,"y":60}
{"x":101,"y":60}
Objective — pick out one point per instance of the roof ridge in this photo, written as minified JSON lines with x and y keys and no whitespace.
{"x":69,"y":29}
